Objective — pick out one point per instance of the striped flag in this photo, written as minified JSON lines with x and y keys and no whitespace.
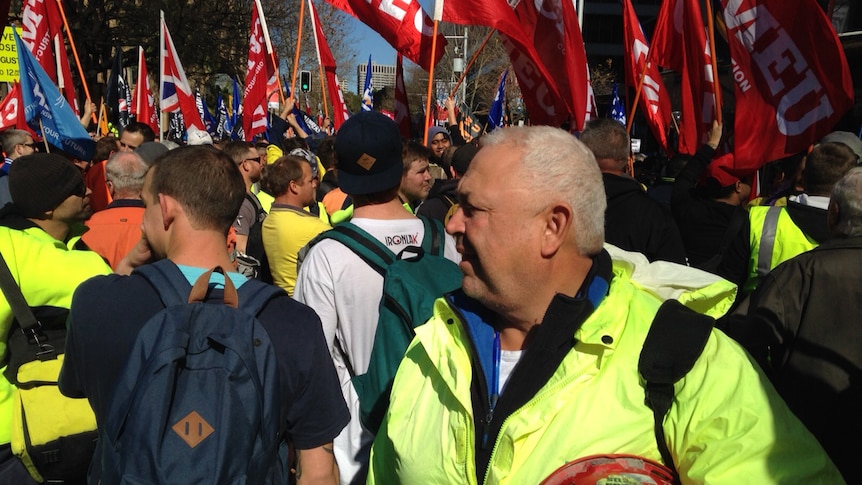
{"x":367,"y":91}
{"x":176,"y":94}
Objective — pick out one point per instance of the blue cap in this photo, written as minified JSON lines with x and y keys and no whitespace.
{"x":368,"y":148}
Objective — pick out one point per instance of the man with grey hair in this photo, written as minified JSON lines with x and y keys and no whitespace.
{"x":534,"y":363}
{"x":16,"y":144}
{"x":634,"y":221}
{"x":803,"y":328}
{"x":114,"y":231}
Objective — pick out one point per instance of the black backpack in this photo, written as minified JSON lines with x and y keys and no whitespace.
{"x":254,"y":247}
{"x":675,"y":341}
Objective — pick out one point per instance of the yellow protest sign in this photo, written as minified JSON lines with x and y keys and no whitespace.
{"x":8,"y":56}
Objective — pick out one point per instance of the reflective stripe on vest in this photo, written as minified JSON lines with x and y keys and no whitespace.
{"x":767,"y":241}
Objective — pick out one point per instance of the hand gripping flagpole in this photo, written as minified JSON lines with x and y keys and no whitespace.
{"x":298,"y":44}
{"x":75,"y":53}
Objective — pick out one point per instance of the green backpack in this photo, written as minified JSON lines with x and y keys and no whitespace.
{"x":412,"y":281}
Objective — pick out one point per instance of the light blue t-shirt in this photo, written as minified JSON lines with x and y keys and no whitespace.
{"x":192,"y":274}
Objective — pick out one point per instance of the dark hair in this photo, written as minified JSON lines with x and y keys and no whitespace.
{"x":607,"y":139}
{"x":236,"y":150}
{"x":326,"y":152}
{"x":104,"y":147}
{"x":712,"y":189}
{"x":204,"y":181}
{"x":141,"y":128}
{"x":276,"y":177}
{"x":412,"y":150}
{"x":825,"y":166}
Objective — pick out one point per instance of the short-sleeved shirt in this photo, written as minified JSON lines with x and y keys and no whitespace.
{"x":108,"y":312}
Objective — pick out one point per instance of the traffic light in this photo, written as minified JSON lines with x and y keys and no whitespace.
{"x":305,"y":81}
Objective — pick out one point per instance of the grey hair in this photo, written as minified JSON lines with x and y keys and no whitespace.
{"x":126,"y":171}
{"x":13,"y":137}
{"x":847,"y":196}
{"x":556,"y":164}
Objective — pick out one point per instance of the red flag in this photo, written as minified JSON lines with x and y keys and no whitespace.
{"x":176,"y":94}
{"x":402,"y":107}
{"x":254,"y":95}
{"x":324,"y":56}
{"x":679,"y":43}
{"x":43,"y":33}
{"x":654,"y":99}
{"x":403,"y":24}
{"x":793,"y":83}
{"x":525,"y":32}
{"x":143,"y":107}
{"x":11,"y":113}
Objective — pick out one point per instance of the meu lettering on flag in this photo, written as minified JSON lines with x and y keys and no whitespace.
{"x":798,"y":96}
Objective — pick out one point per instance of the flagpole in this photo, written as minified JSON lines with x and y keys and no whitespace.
{"x":44,"y":139}
{"x":717,"y":87}
{"x":634,"y":107}
{"x":319,"y":62}
{"x":298,"y":44}
{"x":430,"y":82}
{"x":270,"y":49}
{"x":75,"y":53}
{"x":472,"y":61}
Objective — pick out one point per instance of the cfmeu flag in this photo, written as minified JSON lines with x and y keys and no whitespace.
{"x":617,"y":111}
{"x":254,"y":97}
{"x":495,"y":114}
{"x":47,"y":111}
{"x":324,"y":55}
{"x":403,"y":24}
{"x":367,"y":94}
{"x":143,"y":107}
{"x":176,"y":94}
{"x":43,"y":33}
{"x":679,"y":43}
{"x":792,"y":81}
{"x":654,"y":99}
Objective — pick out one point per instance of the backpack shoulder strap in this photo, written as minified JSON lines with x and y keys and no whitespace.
{"x":434,"y":240}
{"x":675,"y":341}
{"x":166,"y":278}
{"x":255,"y":294}
{"x":366,"y":246}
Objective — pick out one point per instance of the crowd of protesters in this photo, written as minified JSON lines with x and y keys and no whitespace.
{"x":567,"y":251}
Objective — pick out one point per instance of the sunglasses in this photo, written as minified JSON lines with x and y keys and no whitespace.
{"x":254,"y":159}
{"x":34,"y":145}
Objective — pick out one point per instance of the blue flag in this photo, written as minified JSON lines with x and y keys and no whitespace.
{"x":367,"y":95}
{"x":235,"y":104}
{"x":495,"y":114}
{"x":43,"y":104}
{"x":223,"y":121}
{"x":204,"y":112}
{"x":617,"y":111}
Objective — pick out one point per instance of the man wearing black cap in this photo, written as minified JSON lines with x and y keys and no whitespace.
{"x":443,"y":193}
{"x":49,"y":199}
{"x":344,"y":290}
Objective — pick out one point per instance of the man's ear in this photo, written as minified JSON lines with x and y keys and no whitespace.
{"x":168,"y":207}
{"x":557,"y":223}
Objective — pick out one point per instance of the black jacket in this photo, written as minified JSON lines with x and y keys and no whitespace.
{"x":703,"y":222}
{"x":440,"y":199}
{"x":636,"y":222}
{"x":804,"y":326}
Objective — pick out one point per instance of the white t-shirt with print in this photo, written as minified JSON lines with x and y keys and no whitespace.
{"x":345,"y":292}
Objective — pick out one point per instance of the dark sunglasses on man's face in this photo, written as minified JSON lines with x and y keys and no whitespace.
{"x":34,"y":145}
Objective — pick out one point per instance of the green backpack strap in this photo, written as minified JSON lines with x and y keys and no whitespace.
{"x":434,"y":240}
{"x":675,"y":341}
{"x":366,"y":246}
